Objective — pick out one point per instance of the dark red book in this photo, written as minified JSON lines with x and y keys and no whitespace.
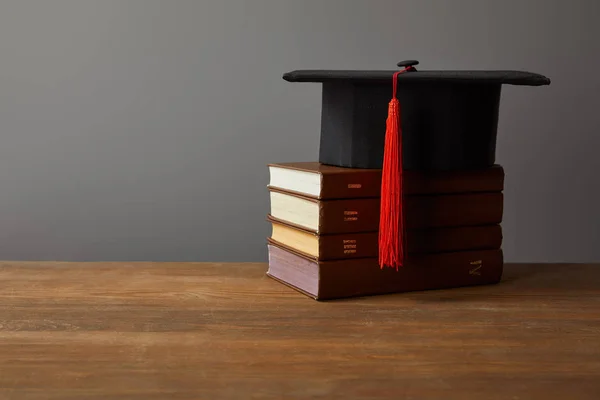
{"x":328,"y":280}
{"x":365,"y":244}
{"x":362,"y":215}
{"x":327,"y":182}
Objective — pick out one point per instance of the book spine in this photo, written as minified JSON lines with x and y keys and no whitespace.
{"x":350,"y":245}
{"x":451,"y":182}
{"x":359,"y":245}
{"x":362,"y":215}
{"x":454,"y":210}
{"x":348,"y":216}
{"x":462,"y":238}
{"x":360,"y":184}
{"x":363,"y":277}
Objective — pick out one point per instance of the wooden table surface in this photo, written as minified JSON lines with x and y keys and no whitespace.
{"x":212,"y":331}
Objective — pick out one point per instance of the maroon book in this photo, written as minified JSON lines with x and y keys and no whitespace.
{"x":362,"y":214}
{"x":329,"y":280}
{"x":327,"y":182}
{"x":365,"y":244}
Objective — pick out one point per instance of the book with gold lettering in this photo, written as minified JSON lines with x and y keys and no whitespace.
{"x":329,"y":280}
{"x":364,"y":244}
{"x":326,"y":182}
{"x":362,"y":214}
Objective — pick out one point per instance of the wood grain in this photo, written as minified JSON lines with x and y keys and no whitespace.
{"x":212,"y":331}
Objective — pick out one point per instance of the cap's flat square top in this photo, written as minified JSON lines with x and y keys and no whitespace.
{"x":493,"y":77}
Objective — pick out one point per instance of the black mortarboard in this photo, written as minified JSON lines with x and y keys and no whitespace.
{"x":409,"y":119}
{"x":449,"y":118}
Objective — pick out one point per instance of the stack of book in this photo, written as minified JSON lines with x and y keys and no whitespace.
{"x":325,"y":219}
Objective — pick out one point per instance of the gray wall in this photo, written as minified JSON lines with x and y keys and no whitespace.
{"x":141,"y":129}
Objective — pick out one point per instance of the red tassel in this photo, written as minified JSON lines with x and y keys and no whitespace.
{"x":391,"y":224}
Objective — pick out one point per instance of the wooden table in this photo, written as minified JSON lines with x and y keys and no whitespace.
{"x":212,"y":331}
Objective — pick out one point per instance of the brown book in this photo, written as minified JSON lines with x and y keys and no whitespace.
{"x":362,"y":215}
{"x":365,"y":244}
{"x":319,"y":181}
{"x":328,"y":280}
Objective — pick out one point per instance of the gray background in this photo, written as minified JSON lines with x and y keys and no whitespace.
{"x":141,"y":129}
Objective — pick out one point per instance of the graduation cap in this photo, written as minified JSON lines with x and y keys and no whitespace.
{"x":409,"y":119}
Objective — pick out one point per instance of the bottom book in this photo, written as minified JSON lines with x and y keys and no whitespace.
{"x":329,"y":280}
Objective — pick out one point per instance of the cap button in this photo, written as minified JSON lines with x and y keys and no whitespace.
{"x":408,"y":63}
